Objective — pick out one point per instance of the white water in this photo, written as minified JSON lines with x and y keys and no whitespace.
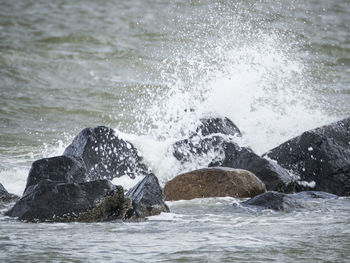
{"x":229,"y":68}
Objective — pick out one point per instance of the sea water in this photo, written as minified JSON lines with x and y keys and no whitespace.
{"x":151,"y":70}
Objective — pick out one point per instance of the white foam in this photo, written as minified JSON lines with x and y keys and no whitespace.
{"x":126,"y":181}
{"x":14,"y":180}
{"x":311,"y":184}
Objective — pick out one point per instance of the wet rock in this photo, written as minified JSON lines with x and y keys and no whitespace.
{"x":218,"y":151}
{"x":285,"y":202}
{"x":59,"y":169}
{"x":66,"y":202}
{"x":213,"y":182}
{"x":223,"y":126}
{"x":5,"y":196}
{"x":147,"y":197}
{"x":270,"y":173}
{"x":105,"y":155}
{"x":321,"y":155}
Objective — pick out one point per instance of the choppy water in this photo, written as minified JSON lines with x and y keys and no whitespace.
{"x":150,"y":69}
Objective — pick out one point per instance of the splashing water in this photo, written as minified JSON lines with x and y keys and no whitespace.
{"x":230,"y":67}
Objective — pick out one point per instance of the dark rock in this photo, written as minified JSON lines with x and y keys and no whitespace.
{"x":285,"y":202}
{"x":147,"y":197}
{"x":223,"y":126}
{"x":104,"y":155}
{"x":65,"y":202}
{"x":228,"y":154}
{"x":275,"y":201}
{"x":270,"y":173}
{"x":213,"y":182}
{"x":321,"y":155}
{"x":314,"y":195}
{"x":197,"y":143}
{"x":5,"y":196}
{"x":59,"y":169}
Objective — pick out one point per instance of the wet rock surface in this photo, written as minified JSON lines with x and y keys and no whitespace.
{"x":218,"y":150}
{"x":224,"y":126}
{"x":50,"y":201}
{"x":105,"y":155}
{"x":5,"y":196}
{"x":321,"y":155}
{"x":59,"y":169}
{"x":285,"y":202}
{"x":147,"y":197}
{"x":213,"y":182}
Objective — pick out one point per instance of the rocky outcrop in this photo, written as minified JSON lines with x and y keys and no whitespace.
{"x":221,"y":151}
{"x":285,"y":202}
{"x":5,"y":196}
{"x":147,"y":197}
{"x":213,"y":182}
{"x":105,"y":155}
{"x":59,"y":169}
{"x":321,"y":155}
{"x":51,"y":201}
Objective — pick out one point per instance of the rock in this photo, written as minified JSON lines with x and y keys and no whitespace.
{"x":59,"y":169}
{"x":218,"y":151}
{"x":285,"y":202}
{"x":66,"y":202}
{"x":5,"y":196}
{"x":321,"y":155}
{"x":147,"y":197}
{"x":270,"y":173}
{"x":223,"y":126}
{"x":104,"y":155}
{"x":213,"y":182}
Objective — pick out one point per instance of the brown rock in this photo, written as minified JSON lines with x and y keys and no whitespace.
{"x":213,"y":182}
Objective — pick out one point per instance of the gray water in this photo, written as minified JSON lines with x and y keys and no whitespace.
{"x":276,"y":68}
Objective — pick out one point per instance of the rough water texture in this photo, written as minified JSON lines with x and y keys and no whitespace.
{"x":152,"y":70}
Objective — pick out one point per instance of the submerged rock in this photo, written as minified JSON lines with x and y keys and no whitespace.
{"x":321,"y":155}
{"x":285,"y":202}
{"x":59,"y":169}
{"x":147,"y":197}
{"x":5,"y":196}
{"x":66,"y":202}
{"x":105,"y":155}
{"x":213,"y":182}
{"x":222,"y":152}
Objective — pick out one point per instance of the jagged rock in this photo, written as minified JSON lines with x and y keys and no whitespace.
{"x":66,"y":202}
{"x":105,"y":155}
{"x":147,"y":197}
{"x":213,"y":182}
{"x":59,"y":169}
{"x":285,"y":202}
{"x":5,"y":196}
{"x":321,"y":155}
{"x":228,"y":154}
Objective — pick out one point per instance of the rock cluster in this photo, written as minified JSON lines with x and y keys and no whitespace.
{"x":228,"y":153}
{"x":76,"y":186}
